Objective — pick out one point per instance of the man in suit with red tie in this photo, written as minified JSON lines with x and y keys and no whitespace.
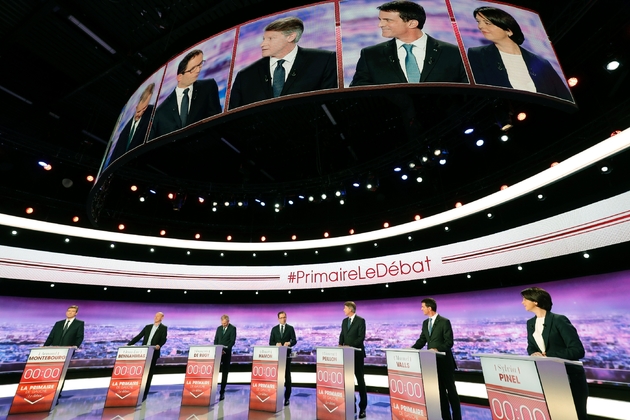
{"x":283,"y":334}
{"x":67,"y":332}
{"x":437,"y":334}
{"x":353,"y":335}
{"x":152,"y":335}
{"x":225,"y":336}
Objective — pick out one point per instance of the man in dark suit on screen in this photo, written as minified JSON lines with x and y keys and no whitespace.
{"x":353,"y":335}
{"x":132,"y":135}
{"x":285,"y":68}
{"x":152,"y":335}
{"x":225,"y":336}
{"x":437,"y":334}
{"x":283,"y":334}
{"x":67,"y":332}
{"x":411,"y":56}
{"x":191,"y":101}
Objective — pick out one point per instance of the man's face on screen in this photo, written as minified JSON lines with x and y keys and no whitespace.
{"x":392,"y":26}
{"x":141,"y":108}
{"x":276,"y":44}
{"x":71,"y":313}
{"x":224,"y":322}
{"x":191,"y":73}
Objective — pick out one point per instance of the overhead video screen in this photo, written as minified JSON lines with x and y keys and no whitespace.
{"x":488,"y":321}
{"x":341,"y":45}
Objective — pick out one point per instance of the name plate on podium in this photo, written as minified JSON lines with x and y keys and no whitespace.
{"x":129,"y":376}
{"x":202,"y":374}
{"x":516,"y":387}
{"x":268,"y":367}
{"x":406,"y":389}
{"x":335,"y":383}
{"x":39,"y":388}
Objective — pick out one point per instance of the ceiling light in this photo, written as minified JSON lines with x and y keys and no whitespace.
{"x":586,"y":255}
{"x":419,"y":179}
{"x":442,"y":161}
{"x":404,"y":177}
{"x":469,"y":130}
{"x":162,"y":232}
{"x":479,"y":142}
{"x":229,"y":237}
{"x":458,"y":204}
{"x":417,"y":217}
{"x":293,"y":237}
{"x":153,"y":191}
{"x":75,"y":219}
{"x":397,"y":169}
{"x":324,"y":196}
{"x":29,"y":210}
{"x":134,"y":188}
{"x":356,"y":184}
{"x":197,"y":236}
{"x":67,"y":240}
{"x":613,"y":65}
{"x":90,"y":178}
{"x":351,"y":231}
{"x":201,"y":199}
{"x":342,"y":202}
{"x":386,"y":225}
{"x":521,"y":116}
{"x":326,"y":234}
{"x":142,"y":198}
{"x":121,"y":227}
{"x":263,"y":238}
{"x":505,"y":137}
{"x":573,"y":81}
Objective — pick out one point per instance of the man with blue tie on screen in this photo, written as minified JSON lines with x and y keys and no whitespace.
{"x":225,"y":336}
{"x":411,"y":56}
{"x":152,"y":335}
{"x":353,"y":335}
{"x":437,"y":334}
{"x":283,"y":334}
{"x":285,"y":68}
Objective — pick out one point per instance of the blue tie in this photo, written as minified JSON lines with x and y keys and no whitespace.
{"x":411,"y":65}
{"x":278,"y":79}
{"x":430,"y":325}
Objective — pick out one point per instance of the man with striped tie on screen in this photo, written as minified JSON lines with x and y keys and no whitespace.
{"x":67,"y":332}
{"x":437,"y":334}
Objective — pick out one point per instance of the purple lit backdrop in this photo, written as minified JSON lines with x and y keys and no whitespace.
{"x":359,"y":23}
{"x":488,"y":321}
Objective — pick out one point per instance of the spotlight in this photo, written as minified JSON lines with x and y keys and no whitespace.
{"x":90,"y":178}
{"x":397,"y":169}
{"x":419,"y":179}
{"x":229,"y":238}
{"x":437,"y":152}
{"x":503,"y":187}
{"x":490,"y":216}
{"x":121,"y":227}
{"x":171,"y":196}
{"x":293,"y":237}
{"x":67,"y":240}
{"x":342,"y":202}
{"x":348,"y":249}
{"x":351,"y":231}
{"x":201,"y":199}
{"x":442,"y":161}
{"x":75,"y":219}
{"x":263,"y":238}
{"x":505,"y":137}
{"x":386,"y":224}
{"x":162,"y":232}
{"x":417,"y":217}
{"x":614,"y":133}
{"x":197,"y":236}
{"x":586,"y":255}
{"x":605,"y":169}
{"x":613,"y":65}
{"x":468,"y":276}
{"x":134,"y":188}
{"x":326,"y":234}
{"x":480,"y":142}
{"x":458,"y":204}
{"x":356,"y":184}
{"x":324,"y":196}
{"x":573,"y":81}
{"x":521,"y":116}
{"x":142,"y":198}
{"x":519,"y":268}
{"x":469,"y":130}
{"x":404,"y":177}
{"x":411,"y":165}
{"x":410,"y":238}
{"x":29,"y":210}
{"x":540,"y":197}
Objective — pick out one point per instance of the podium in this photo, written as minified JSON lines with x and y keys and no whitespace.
{"x":335,"y":383}
{"x":202,"y":375}
{"x":525,"y":387}
{"x":267,"y":385}
{"x":41,"y":380}
{"x":413,"y":384}
{"x":129,"y":377}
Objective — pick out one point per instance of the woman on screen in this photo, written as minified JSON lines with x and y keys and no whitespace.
{"x":553,"y":335}
{"x":505,"y":63}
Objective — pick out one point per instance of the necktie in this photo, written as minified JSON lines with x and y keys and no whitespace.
{"x":430,"y":325}
{"x":224,"y":330}
{"x":278,"y":79}
{"x":131,"y":133}
{"x":183,"y":115}
{"x":281,"y":329}
{"x":411,"y":65}
{"x":349,"y":322}
{"x":65,"y":328}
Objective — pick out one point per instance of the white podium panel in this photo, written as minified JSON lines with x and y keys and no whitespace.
{"x":413,"y":384}
{"x":525,"y":387}
{"x":267,"y":385}
{"x":335,"y":383}
{"x":202,"y":376}
{"x":43,"y":374}
{"x":129,"y":377}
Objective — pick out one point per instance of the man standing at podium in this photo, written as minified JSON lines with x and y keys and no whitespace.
{"x":353,"y":335}
{"x":283,"y":334}
{"x":152,"y":335}
{"x":67,"y":332}
{"x":437,"y":334}
{"x":225,"y":336}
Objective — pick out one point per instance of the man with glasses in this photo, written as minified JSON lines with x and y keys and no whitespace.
{"x":191,"y":101}
{"x":283,"y":334}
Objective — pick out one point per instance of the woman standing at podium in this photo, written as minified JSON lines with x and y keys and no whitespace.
{"x":553,"y":335}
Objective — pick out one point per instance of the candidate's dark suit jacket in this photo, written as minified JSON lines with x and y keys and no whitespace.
{"x":379,"y":64}
{"x":227,"y":339}
{"x":312,"y":70}
{"x":355,"y":335}
{"x":562,"y":340}
{"x":289,"y":335}
{"x":72,"y":337}
{"x":138,"y":135}
{"x":203,"y":104}
{"x":488,"y":69}
{"x":159,"y":338}
{"x":441,"y":338}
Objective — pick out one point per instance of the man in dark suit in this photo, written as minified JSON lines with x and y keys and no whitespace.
{"x":353,"y":335}
{"x":67,"y":332}
{"x":132,"y":135}
{"x":285,"y":68}
{"x":283,"y":334}
{"x":152,"y":335}
{"x":191,"y":101}
{"x":411,"y":56}
{"x":225,"y":336}
{"x":437,"y":334}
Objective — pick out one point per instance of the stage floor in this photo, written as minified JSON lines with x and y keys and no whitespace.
{"x":163,"y":403}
